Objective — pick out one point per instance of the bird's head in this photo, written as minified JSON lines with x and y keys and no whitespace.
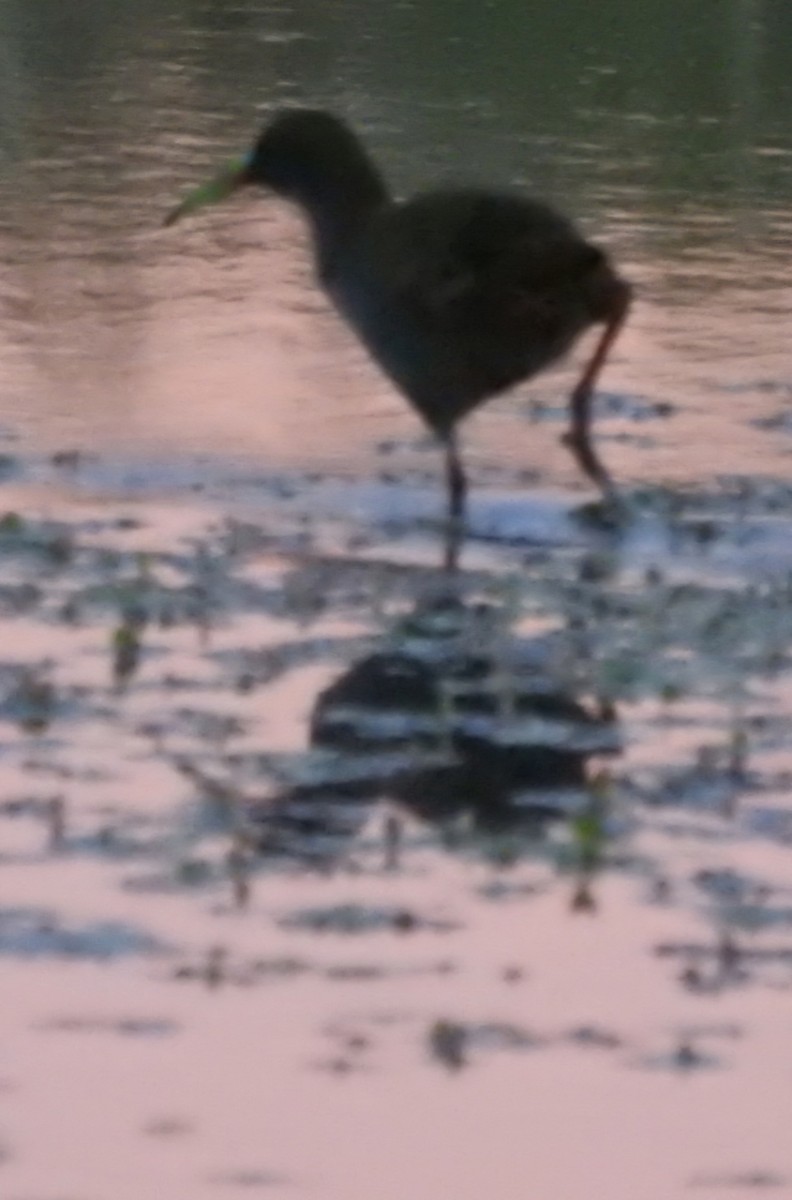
{"x":302,"y":153}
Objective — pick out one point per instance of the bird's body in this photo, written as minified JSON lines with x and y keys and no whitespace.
{"x":458,"y":294}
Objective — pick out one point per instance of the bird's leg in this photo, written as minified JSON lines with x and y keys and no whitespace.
{"x":577,"y":438}
{"x":457,"y":491}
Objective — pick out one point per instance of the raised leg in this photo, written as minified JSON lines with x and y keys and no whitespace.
{"x":578,"y":436}
{"x":457,"y":492}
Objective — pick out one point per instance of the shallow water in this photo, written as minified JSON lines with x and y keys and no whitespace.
{"x":272,"y":922}
{"x":264,"y":928}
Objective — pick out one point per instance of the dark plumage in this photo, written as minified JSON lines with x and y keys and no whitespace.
{"x":458,"y":294}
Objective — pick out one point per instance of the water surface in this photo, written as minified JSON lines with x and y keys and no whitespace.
{"x":665,"y":132}
{"x":560,"y":991}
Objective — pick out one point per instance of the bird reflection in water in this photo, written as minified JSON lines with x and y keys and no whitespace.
{"x":456,"y":722}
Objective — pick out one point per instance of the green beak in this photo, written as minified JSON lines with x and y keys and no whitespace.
{"x":234,"y":176}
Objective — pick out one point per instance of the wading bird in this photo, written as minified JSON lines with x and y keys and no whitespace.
{"x":458,"y":293}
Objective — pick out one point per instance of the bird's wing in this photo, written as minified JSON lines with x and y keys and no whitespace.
{"x":473,"y":259}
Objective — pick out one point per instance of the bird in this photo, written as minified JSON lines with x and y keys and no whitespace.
{"x":458,"y":293}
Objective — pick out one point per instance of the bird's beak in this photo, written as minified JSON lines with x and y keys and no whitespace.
{"x":233,"y":177}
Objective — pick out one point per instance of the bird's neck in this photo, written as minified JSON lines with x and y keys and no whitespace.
{"x":338,"y":201}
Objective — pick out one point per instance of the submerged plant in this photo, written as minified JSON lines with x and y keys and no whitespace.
{"x":126,"y":648}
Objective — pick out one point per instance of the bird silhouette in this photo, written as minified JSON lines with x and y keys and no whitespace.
{"x":458,"y":294}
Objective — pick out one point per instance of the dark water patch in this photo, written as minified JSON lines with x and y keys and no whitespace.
{"x":217,"y":966}
{"x":136,"y":1027}
{"x":594,"y":1037}
{"x":728,"y":962}
{"x":738,"y":1180}
{"x":361,"y":919}
{"x":248,"y":1179}
{"x":41,"y":933}
{"x":121,"y":838}
{"x":499,"y":890}
{"x":168,"y":1127}
{"x":684,"y":1058}
{"x":184,"y":875}
{"x":372,"y":972}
